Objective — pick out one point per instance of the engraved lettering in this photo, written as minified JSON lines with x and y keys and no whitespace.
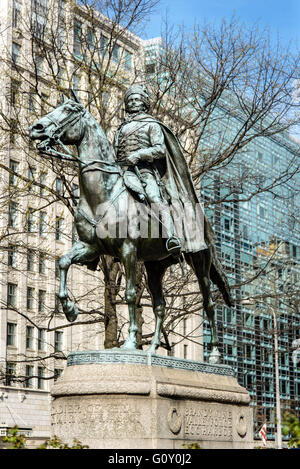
{"x":209,"y":423}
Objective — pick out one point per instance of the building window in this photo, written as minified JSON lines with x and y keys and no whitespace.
{"x":74,"y":234}
{"x":185,"y":351}
{"x":58,"y":305}
{"x":12,"y":214}
{"x":31,"y":175}
{"x":16,"y":14}
{"x":116,"y":53}
{"x":38,"y":62}
{"x":13,"y":132}
{"x":16,"y":49}
{"x":57,"y":373}
{"x":13,"y":178}
{"x":41,"y":301}
{"x":294,"y":249}
{"x":43,"y":177}
{"x":262,"y":212}
{"x":128,"y":59}
{"x":12,"y":256}
{"x":41,"y":381}
{"x":29,"y":302}
{"x":11,"y":294}
{"x":30,"y":220}
{"x":42,"y":223}
{"x":103,"y":44}
{"x":41,"y":339}
{"x":14,"y":92}
{"x":184,"y":326}
{"x":248,"y":351}
{"x":11,"y":333}
{"x":229,"y":350}
{"x":58,"y":341}
{"x":59,"y":186}
{"x":90,"y":39}
{"x":29,"y":337}
{"x":10,"y":376}
{"x":31,"y":101}
{"x":77,"y":38}
{"x":58,"y":228}
{"x":57,"y":271}
{"x":227,"y":224}
{"x":30,"y":260}
{"x":28,"y":383}
{"x":42,"y":263}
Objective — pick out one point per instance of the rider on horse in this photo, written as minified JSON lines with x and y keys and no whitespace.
{"x":157,"y":168}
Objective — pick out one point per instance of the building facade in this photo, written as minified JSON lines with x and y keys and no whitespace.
{"x":36,"y":224}
{"x":48,"y":47}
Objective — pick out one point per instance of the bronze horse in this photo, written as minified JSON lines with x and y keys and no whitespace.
{"x":101,"y":189}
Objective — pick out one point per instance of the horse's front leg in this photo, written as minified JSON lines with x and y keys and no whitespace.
{"x":79,"y":254}
{"x":129,"y":259}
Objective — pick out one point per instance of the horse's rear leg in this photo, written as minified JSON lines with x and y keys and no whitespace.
{"x":155,"y":273}
{"x":129,"y":259}
{"x":201,"y":264}
{"x":79,"y":254}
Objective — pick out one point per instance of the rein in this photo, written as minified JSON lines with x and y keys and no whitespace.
{"x":45,"y":147}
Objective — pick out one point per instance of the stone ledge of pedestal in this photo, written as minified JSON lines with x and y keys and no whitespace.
{"x":178,"y":391}
{"x":123,"y":379}
{"x":145,"y":406}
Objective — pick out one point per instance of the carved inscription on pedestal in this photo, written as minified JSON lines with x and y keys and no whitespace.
{"x":95,"y":420}
{"x":207,"y":423}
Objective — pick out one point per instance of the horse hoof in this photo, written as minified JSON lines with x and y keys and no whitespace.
{"x":71,"y":312}
{"x":214,"y":357}
{"x":128,"y":345}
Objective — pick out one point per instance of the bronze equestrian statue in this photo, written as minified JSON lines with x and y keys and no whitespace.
{"x":145,"y":168}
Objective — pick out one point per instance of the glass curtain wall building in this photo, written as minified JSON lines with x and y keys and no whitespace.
{"x":257,"y":239}
{"x":258,"y":243}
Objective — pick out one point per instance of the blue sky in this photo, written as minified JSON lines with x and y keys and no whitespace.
{"x":280,"y":16}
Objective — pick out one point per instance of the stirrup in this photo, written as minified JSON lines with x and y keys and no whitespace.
{"x":173,"y":246}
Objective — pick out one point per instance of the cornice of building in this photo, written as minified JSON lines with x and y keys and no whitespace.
{"x":107,"y":25}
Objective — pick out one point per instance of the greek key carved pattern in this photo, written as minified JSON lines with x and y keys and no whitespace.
{"x":139,"y":357}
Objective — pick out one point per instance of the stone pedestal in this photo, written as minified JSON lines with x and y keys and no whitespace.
{"x":115,"y":399}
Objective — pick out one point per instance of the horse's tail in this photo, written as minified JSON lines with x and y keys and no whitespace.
{"x":216,"y":272}
{"x":218,"y":277}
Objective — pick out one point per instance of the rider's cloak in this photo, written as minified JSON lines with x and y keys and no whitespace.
{"x":177,"y":180}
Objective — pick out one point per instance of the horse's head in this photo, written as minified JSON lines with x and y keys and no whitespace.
{"x":63,"y":125}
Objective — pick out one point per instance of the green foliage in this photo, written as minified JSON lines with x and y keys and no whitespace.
{"x":291,"y":428}
{"x":14,"y":437}
{"x":192,"y":446}
{"x":18,"y":441}
{"x":56,"y":443}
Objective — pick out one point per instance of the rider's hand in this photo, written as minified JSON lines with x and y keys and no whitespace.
{"x":132,"y":159}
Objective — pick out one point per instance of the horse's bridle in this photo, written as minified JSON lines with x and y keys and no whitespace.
{"x":54,"y":138}
{"x":55,"y":134}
